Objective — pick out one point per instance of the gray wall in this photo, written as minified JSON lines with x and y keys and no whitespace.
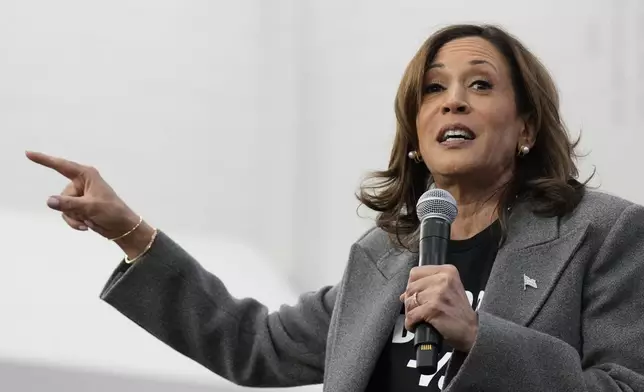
{"x":21,"y":377}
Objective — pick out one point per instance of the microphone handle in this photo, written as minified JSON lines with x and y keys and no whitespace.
{"x":428,"y":342}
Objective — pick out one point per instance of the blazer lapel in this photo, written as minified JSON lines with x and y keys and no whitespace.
{"x":528,"y":266}
{"x":366,"y":317}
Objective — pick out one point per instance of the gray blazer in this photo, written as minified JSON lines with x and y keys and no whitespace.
{"x":581,"y":329}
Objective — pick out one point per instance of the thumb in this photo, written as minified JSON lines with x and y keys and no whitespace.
{"x":67,"y":203}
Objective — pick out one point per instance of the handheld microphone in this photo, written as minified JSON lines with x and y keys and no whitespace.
{"x":436,"y":210}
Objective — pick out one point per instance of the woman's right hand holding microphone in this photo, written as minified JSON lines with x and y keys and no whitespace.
{"x":88,"y":202}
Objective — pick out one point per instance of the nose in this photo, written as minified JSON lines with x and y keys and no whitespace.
{"x":456,"y":105}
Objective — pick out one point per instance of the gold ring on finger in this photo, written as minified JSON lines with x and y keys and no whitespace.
{"x":414,"y":298}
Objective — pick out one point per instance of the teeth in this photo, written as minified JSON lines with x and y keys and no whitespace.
{"x":457,"y":133}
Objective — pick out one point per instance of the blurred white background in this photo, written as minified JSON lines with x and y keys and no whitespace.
{"x":242,"y":128}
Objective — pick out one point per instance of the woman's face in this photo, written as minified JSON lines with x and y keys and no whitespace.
{"x":468,"y":124}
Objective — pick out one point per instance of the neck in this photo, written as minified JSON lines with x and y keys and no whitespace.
{"x":477,"y":204}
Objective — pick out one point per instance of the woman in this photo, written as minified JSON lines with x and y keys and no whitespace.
{"x":560,"y":266}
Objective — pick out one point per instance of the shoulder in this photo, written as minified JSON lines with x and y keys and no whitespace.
{"x":377,"y":249}
{"x":597,"y":204}
{"x":375,"y":243}
{"x":603,"y":211}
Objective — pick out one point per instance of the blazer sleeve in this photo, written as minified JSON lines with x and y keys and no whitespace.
{"x":509,"y":357}
{"x":175,"y":299}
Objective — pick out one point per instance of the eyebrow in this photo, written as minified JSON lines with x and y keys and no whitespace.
{"x":472,"y":62}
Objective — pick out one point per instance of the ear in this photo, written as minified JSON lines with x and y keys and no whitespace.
{"x":528,"y":134}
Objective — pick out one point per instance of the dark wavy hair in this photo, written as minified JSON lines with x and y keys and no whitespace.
{"x":546,"y":177}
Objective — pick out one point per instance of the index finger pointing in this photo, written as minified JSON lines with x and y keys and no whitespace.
{"x":67,"y":168}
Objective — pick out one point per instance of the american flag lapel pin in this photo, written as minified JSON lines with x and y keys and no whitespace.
{"x":527,"y":281}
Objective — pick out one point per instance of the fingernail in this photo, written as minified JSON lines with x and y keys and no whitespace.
{"x":53,"y":202}
{"x":82,"y":228}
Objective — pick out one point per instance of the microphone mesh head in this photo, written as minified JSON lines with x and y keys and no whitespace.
{"x":437,"y":203}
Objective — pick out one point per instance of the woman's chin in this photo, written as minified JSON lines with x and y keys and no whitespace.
{"x":457,"y":168}
{"x":461,"y":172}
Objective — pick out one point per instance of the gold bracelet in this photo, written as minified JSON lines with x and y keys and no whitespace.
{"x":129,"y":232}
{"x":147,"y":248}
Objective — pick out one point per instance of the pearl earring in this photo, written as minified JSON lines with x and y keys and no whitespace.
{"x":523,"y":151}
{"x":415,"y":156}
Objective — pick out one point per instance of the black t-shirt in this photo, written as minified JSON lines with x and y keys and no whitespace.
{"x":395,"y":370}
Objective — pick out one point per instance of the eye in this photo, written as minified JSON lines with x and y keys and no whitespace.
{"x":433,"y":88}
{"x":481,"y":85}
